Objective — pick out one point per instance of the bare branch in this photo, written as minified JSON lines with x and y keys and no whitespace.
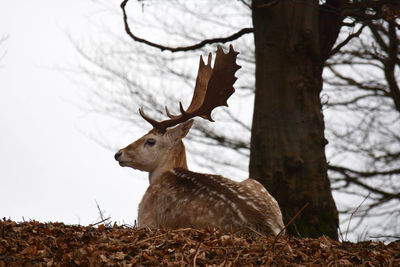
{"x":361,"y":173}
{"x":201,"y":44}
{"x":347,"y":40}
{"x":391,"y":65}
{"x":245,"y":3}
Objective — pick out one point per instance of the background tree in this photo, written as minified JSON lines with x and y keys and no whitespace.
{"x":297,"y":67}
{"x":364,"y":119}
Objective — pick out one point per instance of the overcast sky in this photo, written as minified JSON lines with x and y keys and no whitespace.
{"x":49,"y":169}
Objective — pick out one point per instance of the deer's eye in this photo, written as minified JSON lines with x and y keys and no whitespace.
{"x":150,"y":142}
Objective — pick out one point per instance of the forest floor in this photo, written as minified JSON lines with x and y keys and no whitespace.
{"x":56,"y":244}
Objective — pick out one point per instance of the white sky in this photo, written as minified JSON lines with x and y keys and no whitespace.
{"x":49,"y":170}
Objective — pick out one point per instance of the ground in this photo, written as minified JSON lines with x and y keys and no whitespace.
{"x":56,"y":244}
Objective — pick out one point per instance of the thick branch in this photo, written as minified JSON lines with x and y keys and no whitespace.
{"x":391,"y":65}
{"x":201,"y":44}
{"x":330,"y":23}
{"x":347,"y":40}
{"x":357,"y":9}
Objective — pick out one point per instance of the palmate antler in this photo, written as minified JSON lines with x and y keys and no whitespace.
{"x":213,"y":88}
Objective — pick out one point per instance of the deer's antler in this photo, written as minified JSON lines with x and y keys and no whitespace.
{"x":213,"y":88}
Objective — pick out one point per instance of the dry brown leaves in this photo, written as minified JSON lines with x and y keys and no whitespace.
{"x":56,"y":244}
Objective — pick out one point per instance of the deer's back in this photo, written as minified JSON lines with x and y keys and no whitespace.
{"x":181,"y":198}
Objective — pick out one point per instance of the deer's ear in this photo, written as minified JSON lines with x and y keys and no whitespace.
{"x":177,"y":133}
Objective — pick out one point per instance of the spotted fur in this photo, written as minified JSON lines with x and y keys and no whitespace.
{"x":187,"y":199}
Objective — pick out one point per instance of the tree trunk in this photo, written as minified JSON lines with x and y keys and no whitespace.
{"x":288,"y":143}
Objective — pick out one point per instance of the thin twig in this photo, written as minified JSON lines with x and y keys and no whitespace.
{"x":255,"y":231}
{"x":186,"y":229}
{"x":245,"y":3}
{"x":237,"y":257}
{"x":93,"y":224}
{"x":290,"y":222}
{"x":385,"y":236}
{"x":341,"y":234}
{"x":348,"y":225}
{"x":183,"y":48}
{"x":195,"y":254}
{"x":150,"y":238}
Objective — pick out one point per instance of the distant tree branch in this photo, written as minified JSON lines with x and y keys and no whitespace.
{"x":2,"y":40}
{"x":355,"y":180}
{"x":362,"y":174}
{"x":376,"y":89}
{"x":182,"y":48}
{"x":351,"y":101}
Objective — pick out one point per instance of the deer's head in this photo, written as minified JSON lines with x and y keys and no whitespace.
{"x":155,"y":149}
{"x":162,"y":148}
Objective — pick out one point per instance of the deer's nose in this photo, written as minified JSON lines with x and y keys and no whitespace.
{"x":117,"y":155}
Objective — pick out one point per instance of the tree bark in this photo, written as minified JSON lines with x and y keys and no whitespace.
{"x":287,"y":152}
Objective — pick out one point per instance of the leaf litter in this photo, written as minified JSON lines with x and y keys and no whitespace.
{"x":56,"y":244}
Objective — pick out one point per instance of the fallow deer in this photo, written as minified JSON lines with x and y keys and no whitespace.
{"x":179,"y":198}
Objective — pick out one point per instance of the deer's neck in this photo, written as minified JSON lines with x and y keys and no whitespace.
{"x":175,"y":158}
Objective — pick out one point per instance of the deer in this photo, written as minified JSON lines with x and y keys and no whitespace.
{"x":179,"y":198}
